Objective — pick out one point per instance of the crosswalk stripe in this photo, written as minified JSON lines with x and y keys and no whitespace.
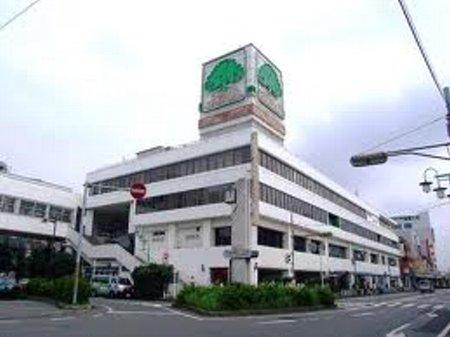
{"x":423,"y":306}
{"x":438,"y":307}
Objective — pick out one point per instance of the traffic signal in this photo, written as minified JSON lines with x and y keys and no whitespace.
{"x":375,"y":158}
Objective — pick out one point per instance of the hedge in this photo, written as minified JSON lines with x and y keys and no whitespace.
{"x":151,"y":281}
{"x":60,"y":289}
{"x":246,"y":297}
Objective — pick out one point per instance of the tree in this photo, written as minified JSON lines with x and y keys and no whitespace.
{"x":269,"y":79}
{"x":224,"y":73}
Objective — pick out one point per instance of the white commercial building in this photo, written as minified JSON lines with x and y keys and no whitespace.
{"x":238,"y":198}
{"x":34,"y":212}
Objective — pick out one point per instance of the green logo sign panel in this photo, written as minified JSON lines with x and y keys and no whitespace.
{"x":269,"y":86}
{"x":223,"y":81}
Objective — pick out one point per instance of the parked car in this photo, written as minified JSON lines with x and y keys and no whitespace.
{"x":121,"y":287}
{"x":6,"y":284}
{"x":100,"y":285}
{"x":112,"y":286}
{"x":426,"y":286}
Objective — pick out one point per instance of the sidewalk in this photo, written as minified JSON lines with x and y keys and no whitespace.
{"x":20,"y":309}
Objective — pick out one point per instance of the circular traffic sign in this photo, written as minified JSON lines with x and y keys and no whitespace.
{"x":138,"y":191}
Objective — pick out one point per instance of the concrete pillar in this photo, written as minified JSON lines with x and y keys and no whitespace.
{"x":241,"y":233}
{"x":88,"y":222}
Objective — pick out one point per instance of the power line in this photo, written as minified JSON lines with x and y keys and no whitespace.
{"x":406,"y":133}
{"x":15,"y":16}
{"x":415,"y":34}
{"x":426,"y":59}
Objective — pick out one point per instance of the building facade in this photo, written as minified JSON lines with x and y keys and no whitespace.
{"x":236,"y":204}
{"x":34,"y":213}
{"x":418,"y":238}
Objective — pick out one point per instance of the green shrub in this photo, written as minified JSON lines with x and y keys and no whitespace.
{"x":307,"y":296}
{"x":326,"y":295}
{"x":60,"y":289}
{"x":152,"y":280}
{"x":241,"y":297}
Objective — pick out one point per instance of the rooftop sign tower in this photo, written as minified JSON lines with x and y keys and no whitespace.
{"x":242,"y":88}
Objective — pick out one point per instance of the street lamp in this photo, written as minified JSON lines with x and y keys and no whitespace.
{"x":426,"y":184}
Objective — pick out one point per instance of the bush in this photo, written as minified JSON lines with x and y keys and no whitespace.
{"x":326,"y":295}
{"x":240,"y":297}
{"x":151,"y":281}
{"x":60,"y":289}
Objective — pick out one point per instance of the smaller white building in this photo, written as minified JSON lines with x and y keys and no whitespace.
{"x":33,"y":212}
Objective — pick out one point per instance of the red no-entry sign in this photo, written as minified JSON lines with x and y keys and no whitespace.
{"x":138,"y":191}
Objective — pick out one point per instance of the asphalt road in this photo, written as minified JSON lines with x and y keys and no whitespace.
{"x":402,"y":315}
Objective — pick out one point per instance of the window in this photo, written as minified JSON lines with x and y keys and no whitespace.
{"x":315,"y":247}
{"x":270,"y":237}
{"x":383,"y":259}
{"x":39,"y":210}
{"x":60,"y":214}
{"x":7,"y":204}
{"x":222,"y":236}
{"x":333,"y":220}
{"x":187,"y":167}
{"x":158,"y":236}
{"x":392,"y":261}
{"x":288,"y":172}
{"x":359,"y":255}
{"x":374,"y":258}
{"x":26,"y":207}
{"x":407,"y":225}
{"x":337,"y":251}
{"x":191,"y":198}
{"x":299,"y":244}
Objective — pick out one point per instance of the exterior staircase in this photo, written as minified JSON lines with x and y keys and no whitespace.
{"x":108,"y":251}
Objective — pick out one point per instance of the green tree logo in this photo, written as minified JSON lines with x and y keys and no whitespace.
{"x":269,"y":79}
{"x":225,"y":72}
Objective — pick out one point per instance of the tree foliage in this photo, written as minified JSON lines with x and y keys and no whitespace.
{"x":268,"y":78}
{"x":49,"y":264}
{"x":224,"y":73}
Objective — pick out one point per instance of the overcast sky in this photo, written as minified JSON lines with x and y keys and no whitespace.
{"x":87,"y":83}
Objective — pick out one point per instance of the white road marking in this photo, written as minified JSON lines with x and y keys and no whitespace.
{"x":133,"y":312}
{"x":363,"y":314}
{"x":432,"y":314}
{"x":65,"y":318}
{"x":278,"y":321}
{"x":438,"y":307}
{"x":393,"y":304}
{"x":444,"y":332}
{"x":376,"y":305}
{"x":180,"y":313}
{"x":423,"y":306}
{"x":97,"y":315}
{"x":408,"y":305}
{"x":396,"y":332}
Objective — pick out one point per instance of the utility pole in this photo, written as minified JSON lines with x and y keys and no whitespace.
{"x":80,"y":240}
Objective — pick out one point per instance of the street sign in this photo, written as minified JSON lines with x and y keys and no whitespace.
{"x":242,"y":254}
{"x":138,"y":191}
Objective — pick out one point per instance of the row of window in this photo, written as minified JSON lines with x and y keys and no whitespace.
{"x":35,"y":209}
{"x":282,"y":200}
{"x":273,"y":238}
{"x":290,"y":173}
{"x":191,"y":198}
{"x":210,"y":162}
